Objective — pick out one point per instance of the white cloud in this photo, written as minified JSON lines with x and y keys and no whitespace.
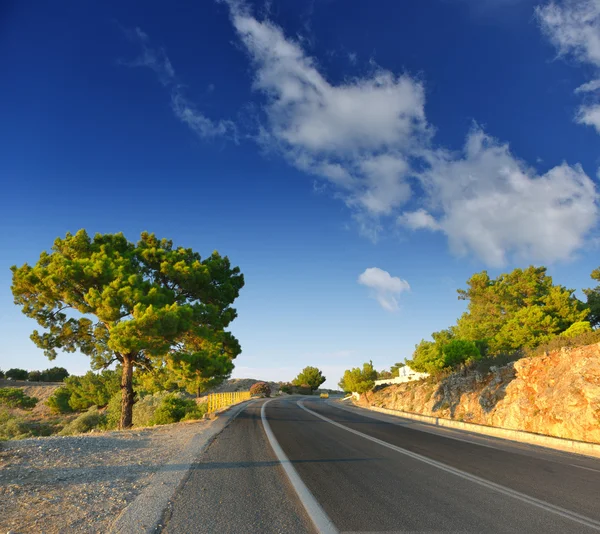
{"x":157,"y":60}
{"x":588,"y":87}
{"x":590,"y":116}
{"x":493,"y":205}
{"x":573,"y":26}
{"x":417,"y":220}
{"x":358,"y":134}
{"x":384,"y":287}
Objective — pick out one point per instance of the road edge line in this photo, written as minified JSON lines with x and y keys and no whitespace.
{"x":563,"y":512}
{"x":315,"y":512}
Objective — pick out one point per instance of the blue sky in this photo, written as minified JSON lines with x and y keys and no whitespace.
{"x":357,"y":160}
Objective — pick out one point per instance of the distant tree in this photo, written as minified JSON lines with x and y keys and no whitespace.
{"x":384,"y":375}
{"x":1,"y":373}
{"x":260,"y":388}
{"x":17,"y":374}
{"x":286,"y":388}
{"x":34,"y":376}
{"x":55,"y":374}
{"x":593,"y":300}
{"x":359,"y":380}
{"x":114,"y":300}
{"x":395,"y":369}
{"x":311,"y":377}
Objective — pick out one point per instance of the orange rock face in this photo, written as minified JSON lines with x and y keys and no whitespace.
{"x":557,"y":394}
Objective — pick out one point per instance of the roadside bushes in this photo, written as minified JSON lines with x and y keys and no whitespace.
{"x":82,"y":392}
{"x":84,"y":422}
{"x":260,"y":388}
{"x":158,"y":409}
{"x":16,"y":398}
{"x":16,"y":427}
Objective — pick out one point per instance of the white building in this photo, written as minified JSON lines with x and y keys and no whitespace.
{"x":406,"y":374}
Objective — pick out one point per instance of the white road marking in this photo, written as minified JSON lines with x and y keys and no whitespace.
{"x":573,"y":516}
{"x":314,"y":510}
{"x":588,"y":468}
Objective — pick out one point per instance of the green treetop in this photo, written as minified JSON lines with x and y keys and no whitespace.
{"x":310,"y":376}
{"x":137,"y":304}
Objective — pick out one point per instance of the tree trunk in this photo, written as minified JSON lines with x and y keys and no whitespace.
{"x":127,"y":395}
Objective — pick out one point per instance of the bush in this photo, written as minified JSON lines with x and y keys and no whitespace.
{"x":17,"y":374}
{"x":586,"y":338}
{"x":2,"y":375}
{"x":577,"y":329}
{"x":260,"y":388}
{"x":15,"y":427}
{"x":460,"y":351}
{"x":172,"y":409}
{"x":286,"y":388}
{"x":16,"y":398}
{"x":92,"y":389}
{"x":84,"y":422}
{"x":197,"y":412}
{"x":58,"y":402}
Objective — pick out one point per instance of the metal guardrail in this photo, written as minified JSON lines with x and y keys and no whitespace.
{"x":217,"y":401}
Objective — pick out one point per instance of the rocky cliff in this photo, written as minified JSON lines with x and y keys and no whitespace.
{"x":557,"y":394}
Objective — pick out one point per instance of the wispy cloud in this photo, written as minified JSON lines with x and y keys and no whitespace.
{"x":368,"y":139}
{"x":573,"y":26}
{"x":184,"y":109}
{"x":385,"y":288}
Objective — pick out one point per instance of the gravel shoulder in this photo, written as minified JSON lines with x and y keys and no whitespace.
{"x":82,"y":483}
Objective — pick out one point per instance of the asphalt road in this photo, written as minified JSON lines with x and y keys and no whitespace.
{"x":373,"y":475}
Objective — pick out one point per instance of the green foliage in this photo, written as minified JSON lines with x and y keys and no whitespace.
{"x":576,"y":329}
{"x":286,"y":388}
{"x":261,"y":389}
{"x":159,"y":378}
{"x":157,"y":409}
{"x":559,"y":342}
{"x":17,"y":427}
{"x":58,"y":402}
{"x":521,"y":309}
{"x":17,"y":374}
{"x":310,"y":376}
{"x":593,"y":300}
{"x":359,"y":380}
{"x":395,"y":369}
{"x":54,"y":374}
{"x":459,"y":351}
{"x":111,"y":299}
{"x":84,"y":422}
{"x":172,"y":409}
{"x":428,"y":356}
{"x":93,"y":389}
{"x":16,"y":398}
{"x":200,"y":371}
{"x":34,"y":376}
{"x":382,"y":375}
{"x":2,"y":375}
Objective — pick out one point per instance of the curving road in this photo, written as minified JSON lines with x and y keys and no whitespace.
{"x":353,"y":471}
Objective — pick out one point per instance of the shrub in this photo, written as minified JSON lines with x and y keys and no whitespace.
{"x":459,"y":351}
{"x":16,"y":427}
{"x":577,"y":329}
{"x":2,"y":375}
{"x":92,"y":389}
{"x":586,"y":338}
{"x":260,"y":388}
{"x":84,"y":422}
{"x":17,"y":374}
{"x":58,"y":402}
{"x":286,"y":388}
{"x":196,"y":413}
{"x":172,"y":409}
{"x":16,"y":398}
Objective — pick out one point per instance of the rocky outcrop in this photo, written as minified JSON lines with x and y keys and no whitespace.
{"x":557,"y":394}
